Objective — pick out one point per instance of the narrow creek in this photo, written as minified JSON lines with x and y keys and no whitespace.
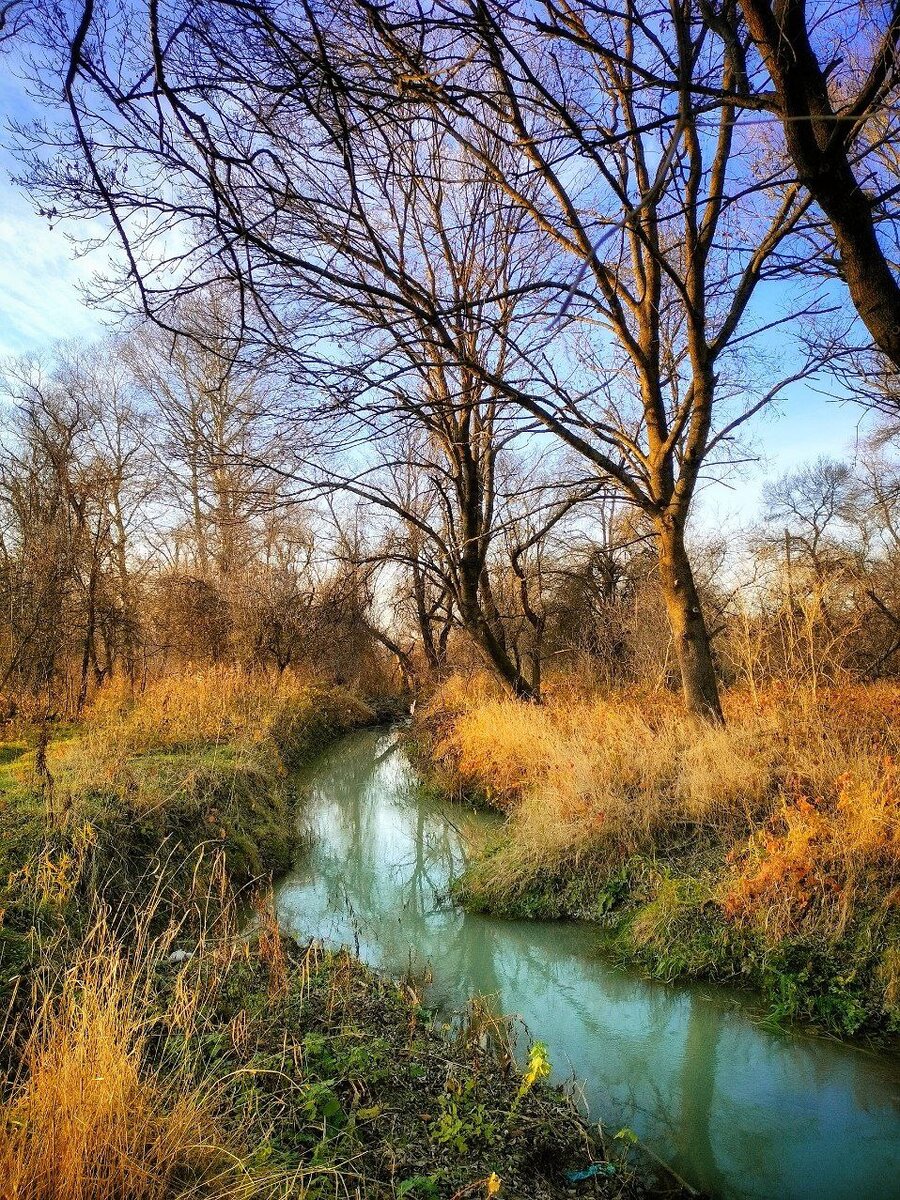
{"x":737,"y":1110}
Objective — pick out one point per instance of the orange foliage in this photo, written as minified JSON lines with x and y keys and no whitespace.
{"x":614,"y":771}
{"x":813,"y":858}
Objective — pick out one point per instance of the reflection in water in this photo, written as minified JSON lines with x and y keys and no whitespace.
{"x":738,"y":1111}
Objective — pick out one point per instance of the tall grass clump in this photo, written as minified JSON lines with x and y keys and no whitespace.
{"x":218,"y":706}
{"x":87,"y":1114}
{"x":816,"y":861}
{"x":629,"y":766}
{"x":578,"y":772}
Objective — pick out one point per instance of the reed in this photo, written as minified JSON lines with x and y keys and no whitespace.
{"x":89,"y":1114}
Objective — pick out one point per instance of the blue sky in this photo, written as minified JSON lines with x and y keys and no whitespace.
{"x":41,"y":301}
{"x":39,"y":274}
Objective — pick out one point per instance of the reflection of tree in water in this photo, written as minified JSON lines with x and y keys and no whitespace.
{"x":379,"y":856}
{"x":783,"y":1120}
{"x":698,"y":1094}
{"x":380,"y":863}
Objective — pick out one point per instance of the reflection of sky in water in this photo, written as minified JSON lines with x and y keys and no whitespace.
{"x":737,"y":1110}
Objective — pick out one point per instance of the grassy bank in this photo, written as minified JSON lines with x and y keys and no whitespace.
{"x":150,"y":1051}
{"x":263,"y":1069}
{"x":765,"y":852}
{"x":160,"y":786}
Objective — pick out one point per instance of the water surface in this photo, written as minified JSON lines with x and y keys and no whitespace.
{"x":737,"y":1110}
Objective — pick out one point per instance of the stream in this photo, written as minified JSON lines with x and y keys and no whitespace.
{"x":739,"y":1111}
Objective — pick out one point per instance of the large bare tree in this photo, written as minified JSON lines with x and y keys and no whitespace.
{"x":626,"y":120}
{"x":289,"y":151}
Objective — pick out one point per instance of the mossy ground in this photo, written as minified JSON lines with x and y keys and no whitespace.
{"x":59,"y":852}
{"x":115,"y":816}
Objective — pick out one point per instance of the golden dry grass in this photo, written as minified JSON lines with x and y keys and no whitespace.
{"x":816,"y":860}
{"x":126,"y":735}
{"x":631,"y":770}
{"x":94,"y":1111}
{"x":88,"y":1118}
{"x":215,"y":705}
{"x":577,"y":770}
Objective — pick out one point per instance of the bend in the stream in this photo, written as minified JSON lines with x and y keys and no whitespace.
{"x":739,"y":1111}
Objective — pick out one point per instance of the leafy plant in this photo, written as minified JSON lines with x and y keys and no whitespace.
{"x":418,"y":1185}
{"x":537,"y":1068}
{"x":462,"y":1122}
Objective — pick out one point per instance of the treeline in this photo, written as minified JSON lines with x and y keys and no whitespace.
{"x":139,"y":534}
{"x":152,"y":518}
{"x":502,"y":284}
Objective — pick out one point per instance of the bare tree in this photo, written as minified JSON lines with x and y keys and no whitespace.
{"x":60,"y":492}
{"x":293,"y":153}
{"x":211,"y":428}
{"x":827,"y":106}
{"x":690,"y":222}
{"x":808,"y":503}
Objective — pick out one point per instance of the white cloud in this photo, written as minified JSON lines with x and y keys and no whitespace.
{"x":39,"y":275}
{"x":39,"y":280}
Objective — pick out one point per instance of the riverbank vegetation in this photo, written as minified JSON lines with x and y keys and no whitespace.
{"x":435,"y":333}
{"x":154,"y":1045}
{"x":765,"y":850}
{"x":248,"y":1067}
{"x":190,"y":773}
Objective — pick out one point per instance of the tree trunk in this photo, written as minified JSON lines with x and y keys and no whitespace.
{"x":488,"y":635}
{"x":88,"y":644}
{"x":403,"y":657}
{"x":477,"y":610}
{"x":193,"y":456}
{"x":432,"y":657}
{"x":497,"y":656}
{"x":88,"y":650}
{"x":692,"y":648}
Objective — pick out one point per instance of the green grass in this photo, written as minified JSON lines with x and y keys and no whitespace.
{"x":162,"y":819}
{"x":350,"y":1078}
{"x":104,"y":844}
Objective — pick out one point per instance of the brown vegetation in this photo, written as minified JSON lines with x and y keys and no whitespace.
{"x":784,"y":823}
{"x":438,"y":320}
{"x":251,"y":1067}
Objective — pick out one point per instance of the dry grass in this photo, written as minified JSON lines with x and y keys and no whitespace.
{"x":817,"y":860}
{"x":576,"y":771}
{"x":264,"y":1071}
{"x":111,"y":1096}
{"x":631,"y":771}
{"x":191,"y":720}
{"x":87,"y":1117}
{"x":126,"y":1084}
{"x":183,"y":715}
{"x":213,"y":706}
